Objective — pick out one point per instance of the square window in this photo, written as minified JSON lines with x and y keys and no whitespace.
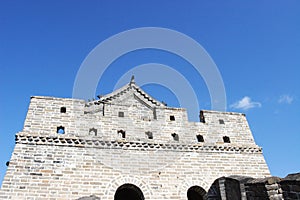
{"x":93,"y":131}
{"x":121,"y":114}
{"x":226,"y":139}
{"x":200,"y":138}
{"x":172,"y":118}
{"x":60,"y":130}
{"x":149,"y":135}
{"x":63,"y":109}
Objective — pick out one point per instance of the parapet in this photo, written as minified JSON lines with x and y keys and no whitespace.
{"x":129,"y":114}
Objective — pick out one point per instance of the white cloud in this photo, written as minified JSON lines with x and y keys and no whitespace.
{"x":285,"y":99}
{"x":245,"y":104}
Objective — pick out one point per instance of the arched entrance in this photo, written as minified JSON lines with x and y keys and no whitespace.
{"x":196,"y":193}
{"x":129,"y":192}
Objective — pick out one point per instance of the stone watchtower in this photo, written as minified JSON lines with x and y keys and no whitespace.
{"x":126,"y":145}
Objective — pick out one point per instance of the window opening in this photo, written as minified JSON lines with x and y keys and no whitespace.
{"x":226,"y":139}
{"x":63,"y":109}
{"x":121,"y":114}
{"x":200,"y":138}
{"x":172,"y":118}
{"x":221,"y":121}
{"x":175,"y":136}
{"x":60,"y":130}
{"x":122,"y":133}
{"x":149,"y":135}
{"x":93,"y":131}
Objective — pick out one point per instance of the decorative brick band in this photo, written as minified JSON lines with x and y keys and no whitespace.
{"x":127,"y":145}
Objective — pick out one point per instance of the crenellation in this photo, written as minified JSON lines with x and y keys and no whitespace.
{"x":129,"y":139}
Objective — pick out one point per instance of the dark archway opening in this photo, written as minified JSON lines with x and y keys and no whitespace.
{"x":129,"y":192}
{"x":196,"y":193}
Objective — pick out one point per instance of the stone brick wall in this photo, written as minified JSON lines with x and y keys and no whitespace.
{"x":71,"y":149}
{"x":66,"y":171}
{"x":45,"y":116}
{"x":247,"y":188}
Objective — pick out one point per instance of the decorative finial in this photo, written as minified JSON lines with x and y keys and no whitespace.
{"x":132,"y":80}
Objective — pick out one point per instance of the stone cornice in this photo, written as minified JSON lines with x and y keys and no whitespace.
{"x":129,"y":145}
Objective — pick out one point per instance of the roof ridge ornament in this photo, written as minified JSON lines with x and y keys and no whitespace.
{"x":132,"y":81}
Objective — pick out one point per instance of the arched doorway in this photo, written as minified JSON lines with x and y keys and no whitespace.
{"x":129,"y":192}
{"x":196,"y":193}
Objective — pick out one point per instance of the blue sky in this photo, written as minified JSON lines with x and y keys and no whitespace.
{"x":255,"y":45}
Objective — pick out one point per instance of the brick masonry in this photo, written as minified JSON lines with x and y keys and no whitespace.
{"x":70,"y":148}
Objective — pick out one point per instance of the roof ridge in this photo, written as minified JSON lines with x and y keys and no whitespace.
{"x":124,"y":89}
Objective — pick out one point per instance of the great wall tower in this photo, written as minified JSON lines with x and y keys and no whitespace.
{"x":127,"y":145}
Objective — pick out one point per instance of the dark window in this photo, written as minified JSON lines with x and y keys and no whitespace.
{"x":200,"y":138}
{"x":149,"y":135}
{"x":122,"y":133}
{"x":175,"y":136}
{"x":172,"y":118}
{"x":121,"y":114}
{"x":93,"y":131}
{"x":60,"y":130}
{"x":221,"y":121}
{"x":63,"y":109}
{"x":226,"y":139}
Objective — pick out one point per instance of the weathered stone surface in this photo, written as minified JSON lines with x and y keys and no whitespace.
{"x":69,"y":149}
{"x":291,"y":186}
{"x":292,"y":177}
{"x":268,"y":180}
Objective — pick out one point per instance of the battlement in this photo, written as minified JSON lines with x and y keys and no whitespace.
{"x":130,"y":114}
{"x":128,"y":143}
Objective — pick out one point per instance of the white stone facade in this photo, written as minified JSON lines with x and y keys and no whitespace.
{"x":70,"y":148}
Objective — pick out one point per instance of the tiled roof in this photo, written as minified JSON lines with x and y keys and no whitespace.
{"x":127,"y":88}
